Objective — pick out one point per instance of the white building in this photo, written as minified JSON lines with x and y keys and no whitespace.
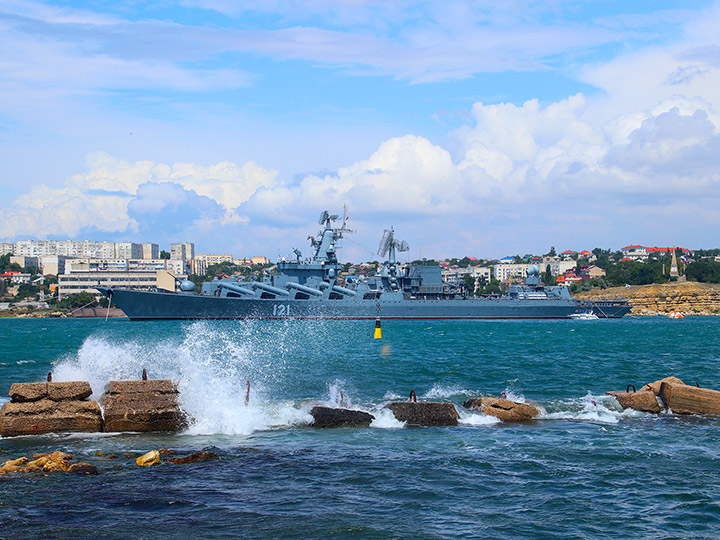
{"x":52,"y":265}
{"x":558,"y":268}
{"x":78,"y":249}
{"x":150,"y":251}
{"x":77,"y":282}
{"x":455,"y":276}
{"x":95,"y":265}
{"x":184,"y":251}
{"x":174,"y":267}
{"x":507,"y":271}
{"x":128,"y":250}
{"x":6,"y":248}
{"x":202,"y":261}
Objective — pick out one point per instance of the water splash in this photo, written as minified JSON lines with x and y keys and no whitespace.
{"x":439,"y":391}
{"x":590,"y":408}
{"x":385,"y":419}
{"x":211,"y":366}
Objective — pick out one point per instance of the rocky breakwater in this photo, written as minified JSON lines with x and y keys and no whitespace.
{"x":146,"y":405}
{"x":329,"y":417}
{"x":49,"y":407}
{"x":424,"y":413}
{"x":504,"y":409}
{"x":689,"y":298}
{"x":673,"y":394}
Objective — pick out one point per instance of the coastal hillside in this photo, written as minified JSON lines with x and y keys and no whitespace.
{"x":690,"y":298}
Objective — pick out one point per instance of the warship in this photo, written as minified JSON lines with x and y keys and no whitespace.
{"x":311,"y":288}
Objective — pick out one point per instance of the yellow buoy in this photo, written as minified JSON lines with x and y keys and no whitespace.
{"x":378,"y":329}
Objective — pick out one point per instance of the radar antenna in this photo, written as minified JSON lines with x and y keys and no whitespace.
{"x":386,"y":242}
{"x":324,"y":215}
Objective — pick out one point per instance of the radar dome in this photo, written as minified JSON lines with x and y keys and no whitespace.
{"x":331,"y":273}
{"x":533,"y":270}
{"x":187,"y":286}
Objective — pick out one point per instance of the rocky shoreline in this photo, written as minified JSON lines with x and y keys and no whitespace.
{"x":689,"y":298}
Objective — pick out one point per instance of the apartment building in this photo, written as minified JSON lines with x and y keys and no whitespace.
{"x":150,"y":251}
{"x":77,"y":282}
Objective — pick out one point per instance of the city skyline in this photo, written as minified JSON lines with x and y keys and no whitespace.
{"x":471,"y":128}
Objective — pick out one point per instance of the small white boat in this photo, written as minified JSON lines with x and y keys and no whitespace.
{"x":587,"y":316}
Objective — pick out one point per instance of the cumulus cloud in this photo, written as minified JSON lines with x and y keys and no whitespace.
{"x":118,"y":196}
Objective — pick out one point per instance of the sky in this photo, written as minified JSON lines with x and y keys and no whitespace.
{"x":476,"y":128}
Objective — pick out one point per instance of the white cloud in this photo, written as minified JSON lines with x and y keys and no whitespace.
{"x":99,"y":198}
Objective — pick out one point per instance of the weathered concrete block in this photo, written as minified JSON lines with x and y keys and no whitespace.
{"x":644,"y":401}
{"x":685,"y":399}
{"x":24,"y":392}
{"x":47,"y":416}
{"x":160,"y":386}
{"x":142,"y":406}
{"x":56,"y":391}
{"x":327,"y":417}
{"x":504,"y":409}
{"x":74,"y":390}
{"x":655,"y":386}
{"x":424,"y":413}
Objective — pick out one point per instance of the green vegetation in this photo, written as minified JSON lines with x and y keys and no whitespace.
{"x":78,"y":300}
{"x":7,"y":266}
{"x":636,"y":273}
{"x":164,"y":255}
{"x":490,"y":288}
{"x":703,"y":271}
{"x":469,"y":284}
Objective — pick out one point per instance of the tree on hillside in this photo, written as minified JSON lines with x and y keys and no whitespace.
{"x":7,"y":266}
{"x":469,"y":284}
{"x":78,"y":300}
{"x":547,"y":276}
{"x":703,"y":271}
{"x":636,"y":273}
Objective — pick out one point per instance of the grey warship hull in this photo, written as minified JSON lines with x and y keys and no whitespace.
{"x":146,"y":305}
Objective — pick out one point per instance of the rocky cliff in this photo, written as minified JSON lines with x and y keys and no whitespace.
{"x":689,"y":298}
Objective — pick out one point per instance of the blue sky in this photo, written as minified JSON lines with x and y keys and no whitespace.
{"x":474,"y":127}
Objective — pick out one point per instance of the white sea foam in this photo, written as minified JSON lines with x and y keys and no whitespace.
{"x":476,"y":419}
{"x":590,"y":408}
{"x":385,"y":419}
{"x":439,"y":391}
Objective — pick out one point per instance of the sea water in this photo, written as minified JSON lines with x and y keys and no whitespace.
{"x":584,"y":469}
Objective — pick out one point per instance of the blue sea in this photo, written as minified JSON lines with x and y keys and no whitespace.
{"x":584,"y":469}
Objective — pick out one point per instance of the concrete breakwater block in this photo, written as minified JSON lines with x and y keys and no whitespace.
{"x":327,"y":417}
{"x":55,"y":391}
{"x":655,"y":386}
{"x":149,"y":405}
{"x":644,"y":400}
{"x":685,"y":399}
{"x":504,"y":409}
{"x":38,"y":408}
{"x":424,"y":413}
